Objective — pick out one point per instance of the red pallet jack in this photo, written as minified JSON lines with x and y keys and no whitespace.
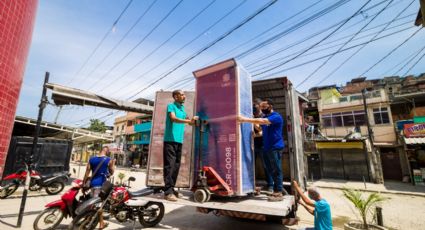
{"x":209,"y":181}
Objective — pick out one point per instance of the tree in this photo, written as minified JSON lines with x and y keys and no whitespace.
{"x":363,"y":205}
{"x":97,"y":125}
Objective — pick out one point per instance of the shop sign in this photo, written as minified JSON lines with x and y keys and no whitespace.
{"x":414,"y":130}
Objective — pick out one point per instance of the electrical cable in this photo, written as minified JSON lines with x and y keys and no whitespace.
{"x":101,"y":42}
{"x":162,"y":44}
{"x":263,"y":8}
{"x":137,"y":45}
{"x":341,"y":47}
{"x":357,"y":51}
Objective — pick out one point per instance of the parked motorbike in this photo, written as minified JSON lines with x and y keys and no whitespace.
{"x":55,"y":211}
{"x":120,"y":203}
{"x":52,"y":184}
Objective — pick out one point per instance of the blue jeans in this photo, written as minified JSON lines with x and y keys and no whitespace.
{"x":269,"y":179}
{"x":273,"y":161}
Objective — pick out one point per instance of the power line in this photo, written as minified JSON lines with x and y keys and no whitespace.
{"x":263,"y":8}
{"x":357,"y":51}
{"x":269,"y":29}
{"x":162,"y":44}
{"x":343,"y":50}
{"x":341,"y":47}
{"x":392,"y":51}
{"x":293,"y":28}
{"x":413,"y":56}
{"x":190,"y":42}
{"x":138,"y":44}
{"x":308,"y":20}
{"x":315,"y":44}
{"x":101,"y":42}
{"x":271,"y":63}
{"x":423,"y":55}
{"x":311,"y":36}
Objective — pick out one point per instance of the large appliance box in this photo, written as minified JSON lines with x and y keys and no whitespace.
{"x":223,"y":91}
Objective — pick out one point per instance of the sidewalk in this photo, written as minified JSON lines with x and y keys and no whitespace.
{"x":392,"y":187}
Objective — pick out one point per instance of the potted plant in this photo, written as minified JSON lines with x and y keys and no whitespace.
{"x":365,"y":207}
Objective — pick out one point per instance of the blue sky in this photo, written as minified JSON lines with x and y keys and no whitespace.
{"x":67,"y":32}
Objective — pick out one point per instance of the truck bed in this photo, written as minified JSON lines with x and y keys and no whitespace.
{"x":247,"y":204}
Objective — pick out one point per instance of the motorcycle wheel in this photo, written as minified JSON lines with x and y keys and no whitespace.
{"x":55,"y":187}
{"x":86,"y":221}
{"x":48,"y":219}
{"x":152,"y":214}
{"x":8,"y":190}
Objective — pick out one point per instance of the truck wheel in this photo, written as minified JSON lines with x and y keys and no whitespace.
{"x":55,"y":187}
{"x":8,"y":190}
{"x":200,"y":195}
{"x":152,"y":214}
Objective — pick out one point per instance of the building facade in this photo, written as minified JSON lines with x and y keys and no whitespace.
{"x":338,"y":112}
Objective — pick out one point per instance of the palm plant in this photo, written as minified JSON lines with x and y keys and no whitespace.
{"x":363,"y":205}
{"x":121,"y":176}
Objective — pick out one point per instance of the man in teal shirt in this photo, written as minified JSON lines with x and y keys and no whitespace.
{"x":173,"y":140}
{"x":316,"y":206}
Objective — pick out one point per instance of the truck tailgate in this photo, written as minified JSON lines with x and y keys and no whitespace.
{"x":247,"y":204}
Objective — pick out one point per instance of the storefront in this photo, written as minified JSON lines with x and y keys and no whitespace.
{"x":344,"y":159}
{"x":414,"y":145}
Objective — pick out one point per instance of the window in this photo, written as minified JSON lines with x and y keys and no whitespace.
{"x":344,"y":119}
{"x":359,"y":118}
{"x":348,"y":118}
{"x":381,"y":116}
{"x":327,"y":120}
{"x":337,"y":120}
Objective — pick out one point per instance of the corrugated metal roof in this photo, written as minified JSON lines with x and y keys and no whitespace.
{"x":414,"y":140}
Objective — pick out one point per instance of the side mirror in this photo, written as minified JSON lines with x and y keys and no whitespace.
{"x":74,"y":171}
{"x":131,"y":179}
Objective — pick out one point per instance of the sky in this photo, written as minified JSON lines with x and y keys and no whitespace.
{"x":129,"y":49}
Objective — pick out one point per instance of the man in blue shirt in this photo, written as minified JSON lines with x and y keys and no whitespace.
{"x":272,"y":127}
{"x":100,"y":166}
{"x":173,"y":140}
{"x":317,"y":206}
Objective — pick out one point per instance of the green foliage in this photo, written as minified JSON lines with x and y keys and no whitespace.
{"x":97,"y":125}
{"x":363,"y":205}
{"x":121,"y":176}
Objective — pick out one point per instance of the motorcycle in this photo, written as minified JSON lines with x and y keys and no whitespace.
{"x":55,"y":211}
{"x":53,"y":184}
{"x":120,"y":203}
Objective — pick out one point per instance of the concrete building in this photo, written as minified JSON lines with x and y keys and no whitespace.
{"x":131,"y":138}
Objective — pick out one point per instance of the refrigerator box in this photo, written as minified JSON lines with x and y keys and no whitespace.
{"x":155,"y":158}
{"x":223,"y":91}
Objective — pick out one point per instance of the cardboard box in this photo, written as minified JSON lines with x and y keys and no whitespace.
{"x":223,"y":91}
{"x":156,"y":163}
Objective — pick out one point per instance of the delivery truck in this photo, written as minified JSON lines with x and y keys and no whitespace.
{"x":228,"y":144}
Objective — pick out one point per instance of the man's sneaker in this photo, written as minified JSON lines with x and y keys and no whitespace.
{"x":170,"y":197}
{"x":178,"y":194}
{"x":275,"y":197}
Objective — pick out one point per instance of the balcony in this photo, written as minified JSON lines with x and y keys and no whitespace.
{"x":353,"y":100}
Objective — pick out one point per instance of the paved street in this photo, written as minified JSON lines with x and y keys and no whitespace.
{"x":406,"y":216}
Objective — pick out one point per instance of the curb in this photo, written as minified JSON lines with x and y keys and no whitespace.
{"x":385,"y":192}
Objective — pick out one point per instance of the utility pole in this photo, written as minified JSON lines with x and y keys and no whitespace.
{"x":375,"y":154}
{"x":43,"y":103}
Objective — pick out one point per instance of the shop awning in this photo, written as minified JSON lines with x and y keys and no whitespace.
{"x":340,"y":145}
{"x":414,"y":140}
